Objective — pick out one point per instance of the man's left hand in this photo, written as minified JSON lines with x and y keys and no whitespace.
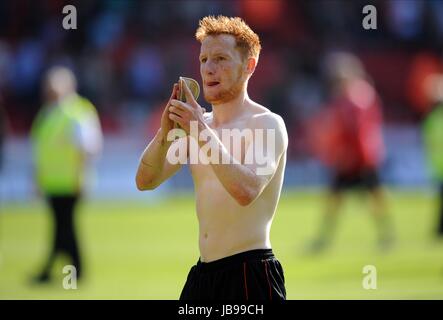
{"x":185,"y":112}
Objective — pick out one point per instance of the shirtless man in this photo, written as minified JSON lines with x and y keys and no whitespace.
{"x":236,"y":202}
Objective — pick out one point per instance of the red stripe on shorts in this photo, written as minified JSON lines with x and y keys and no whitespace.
{"x":267,"y":277}
{"x":244,"y":277}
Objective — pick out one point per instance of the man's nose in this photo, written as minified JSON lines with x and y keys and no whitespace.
{"x":209,"y":68}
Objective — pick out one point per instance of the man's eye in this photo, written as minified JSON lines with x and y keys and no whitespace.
{"x":203,"y":60}
{"x":221,"y":58}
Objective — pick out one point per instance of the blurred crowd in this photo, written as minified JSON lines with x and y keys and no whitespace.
{"x":127,"y":54}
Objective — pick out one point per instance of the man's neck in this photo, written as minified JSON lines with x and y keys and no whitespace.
{"x":226,"y":112}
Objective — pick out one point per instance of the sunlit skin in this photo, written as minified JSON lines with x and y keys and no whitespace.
{"x":235,"y":206}
{"x":221,"y":68}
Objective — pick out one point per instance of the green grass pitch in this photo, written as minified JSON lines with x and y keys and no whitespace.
{"x":143,"y":250}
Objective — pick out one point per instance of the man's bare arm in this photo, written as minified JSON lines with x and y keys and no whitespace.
{"x":154,"y":168}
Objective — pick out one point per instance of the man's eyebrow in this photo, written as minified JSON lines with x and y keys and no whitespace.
{"x":217,"y":53}
{"x":220,"y":53}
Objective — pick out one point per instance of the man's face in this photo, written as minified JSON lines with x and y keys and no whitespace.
{"x":221,"y":69}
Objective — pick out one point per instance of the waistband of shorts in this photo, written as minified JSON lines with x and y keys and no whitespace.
{"x":251,"y":255}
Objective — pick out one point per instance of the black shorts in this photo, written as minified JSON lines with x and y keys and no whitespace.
{"x":366,"y":179}
{"x":250,"y":275}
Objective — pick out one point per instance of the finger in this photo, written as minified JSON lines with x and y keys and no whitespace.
{"x":174,"y":91}
{"x":176,"y":118}
{"x":203,"y":110}
{"x":189,"y":96}
{"x":181,"y":105}
{"x":177,"y":111}
{"x":173,"y":95}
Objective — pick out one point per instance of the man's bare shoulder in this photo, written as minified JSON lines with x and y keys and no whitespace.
{"x":262,"y":117}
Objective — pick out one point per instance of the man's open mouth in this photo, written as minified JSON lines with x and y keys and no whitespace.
{"x":212,"y":83}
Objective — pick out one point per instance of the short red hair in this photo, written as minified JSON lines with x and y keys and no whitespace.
{"x":247,"y":40}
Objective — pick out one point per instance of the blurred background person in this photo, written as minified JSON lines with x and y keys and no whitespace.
{"x":348,"y":138}
{"x":433,"y":139}
{"x":65,"y":135}
{"x":2,"y":133}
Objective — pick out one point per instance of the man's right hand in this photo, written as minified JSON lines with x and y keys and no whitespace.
{"x":166,"y":123}
{"x":154,"y":168}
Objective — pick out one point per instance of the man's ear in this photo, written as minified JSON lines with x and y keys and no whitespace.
{"x":251,"y":63}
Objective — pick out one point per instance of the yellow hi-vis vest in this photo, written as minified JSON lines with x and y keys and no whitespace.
{"x":58,"y":159}
{"x":433,"y":141}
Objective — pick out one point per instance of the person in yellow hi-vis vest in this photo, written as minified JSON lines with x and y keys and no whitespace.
{"x":65,"y":135}
{"x":432,"y":128}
